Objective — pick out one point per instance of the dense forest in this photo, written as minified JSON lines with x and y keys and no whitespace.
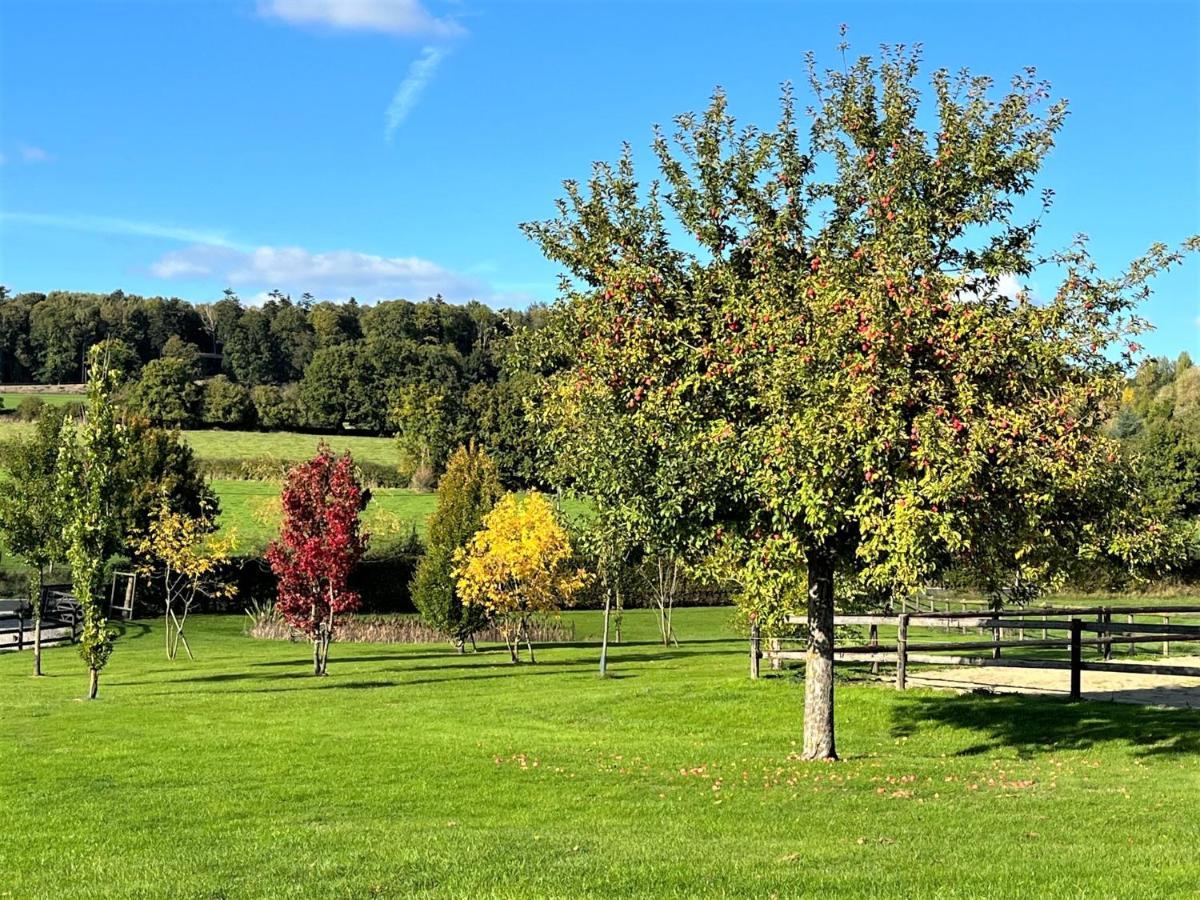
{"x":433,"y":373}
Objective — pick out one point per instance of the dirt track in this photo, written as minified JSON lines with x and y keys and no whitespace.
{"x":1147,"y":690}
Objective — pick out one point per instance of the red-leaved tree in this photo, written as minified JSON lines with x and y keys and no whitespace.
{"x":320,"y":542}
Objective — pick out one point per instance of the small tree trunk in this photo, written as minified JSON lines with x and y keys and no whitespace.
{"x":818,"y":663}
{"x":617,"y":622}
{"x":37,"y":623}
{"x":317,"y":654}
{"x":604,"y":638}
{"x":528,"y":643}
{"x":93,"y":683}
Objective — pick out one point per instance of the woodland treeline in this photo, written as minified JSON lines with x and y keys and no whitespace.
{"x":433,"y":373}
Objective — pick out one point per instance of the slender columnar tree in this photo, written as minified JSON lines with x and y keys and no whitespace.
{"x":466,"y":493}
{"x":93,"y":493}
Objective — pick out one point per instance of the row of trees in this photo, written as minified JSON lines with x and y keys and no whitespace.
{"x":494,"y":557}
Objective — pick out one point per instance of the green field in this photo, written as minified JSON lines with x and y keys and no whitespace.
{"x":218,"y":444}
{"x":410,"y":770}
{"x":251,"y":509}
{"x":11,"y":399}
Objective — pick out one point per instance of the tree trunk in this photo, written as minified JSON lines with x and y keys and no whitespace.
{"x":604,"y":639}
{"x":617,"y":622}
{"x":317,"y":654}
{"x":93,"y":683}
{"x":37,"y":623}
{"x":818,"y":663}
{"x":167,"y":629}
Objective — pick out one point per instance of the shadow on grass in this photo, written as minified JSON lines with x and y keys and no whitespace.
{"x":1033,"y":725}
{"x":292,"y":682}
{"x":130,"y":631}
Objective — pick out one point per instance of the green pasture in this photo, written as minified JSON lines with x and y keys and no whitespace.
{"x":410,"y":770}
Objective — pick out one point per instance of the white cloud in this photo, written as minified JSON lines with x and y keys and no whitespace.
{"x":333,"y":274}
{"x":111,"y":225}
{"x":31,"y":154}
{"x":410,"y":90}
{"x":397,"y":17}
{"x":1007,"y":285}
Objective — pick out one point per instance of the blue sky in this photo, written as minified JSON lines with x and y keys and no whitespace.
{"x":391,"y":147}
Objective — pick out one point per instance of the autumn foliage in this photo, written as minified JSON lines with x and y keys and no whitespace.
{"x":319,"y":544}
{"x":518,"y":565}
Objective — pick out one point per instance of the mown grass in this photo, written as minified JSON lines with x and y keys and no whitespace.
{"x":413,"y":771}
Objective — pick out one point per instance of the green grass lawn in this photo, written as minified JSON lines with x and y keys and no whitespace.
{"x":410,"y":770}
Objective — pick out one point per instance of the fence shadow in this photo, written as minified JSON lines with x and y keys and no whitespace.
{"x":1036,"y":725}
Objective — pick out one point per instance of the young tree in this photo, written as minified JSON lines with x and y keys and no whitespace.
{"x":185,"y":552}
{"x":834,"y":357}
{"x":607,"y":539}
{"x":31,"y":519}
{"x":93,"y":493}
{"x":466,"y":493}
{"x":516,"y":566}
{"x":320,"y":542}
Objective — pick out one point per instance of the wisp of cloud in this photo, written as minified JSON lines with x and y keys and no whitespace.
{"x":419,"y":74}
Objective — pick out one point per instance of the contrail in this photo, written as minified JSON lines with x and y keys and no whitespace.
{"x":419,"y":75}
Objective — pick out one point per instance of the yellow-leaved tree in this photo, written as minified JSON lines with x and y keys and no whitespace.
{"x":518,"y":565}
{"x":187,"y":554}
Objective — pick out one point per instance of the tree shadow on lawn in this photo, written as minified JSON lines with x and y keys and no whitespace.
{"x":305,"y":681}
{"x":1034,"y":725}
{"x":130,"y":631}
{"x":679,"y":652}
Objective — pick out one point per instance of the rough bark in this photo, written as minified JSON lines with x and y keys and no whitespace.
{"x":818,"y":665}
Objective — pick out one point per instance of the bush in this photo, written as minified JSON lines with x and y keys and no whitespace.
{"x":226,"y":404}
{"x":277,"y":408}
{"x":30,"y":408}
{"x":166,"y":394}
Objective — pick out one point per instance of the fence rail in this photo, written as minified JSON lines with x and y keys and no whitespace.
{"x":62,"y":621}
{"x":1099,"y":622}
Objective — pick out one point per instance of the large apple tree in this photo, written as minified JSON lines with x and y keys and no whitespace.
{"x":818,"y":337}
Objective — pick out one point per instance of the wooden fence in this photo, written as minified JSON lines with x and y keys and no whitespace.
{"x":1075,"y":621}
{"x":62,"y":621}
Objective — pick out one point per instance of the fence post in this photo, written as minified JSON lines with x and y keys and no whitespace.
{"x":1129,"y":619}
{"x":1076,"y":657}
{"x":1166,"y":643}
{"x":902,"y":654}
{"x":754,"y":650}
{"x":776,"y":662}
{"x":874,"y":642}
{"x":997,"y":636}
{"x":20,"y":632}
